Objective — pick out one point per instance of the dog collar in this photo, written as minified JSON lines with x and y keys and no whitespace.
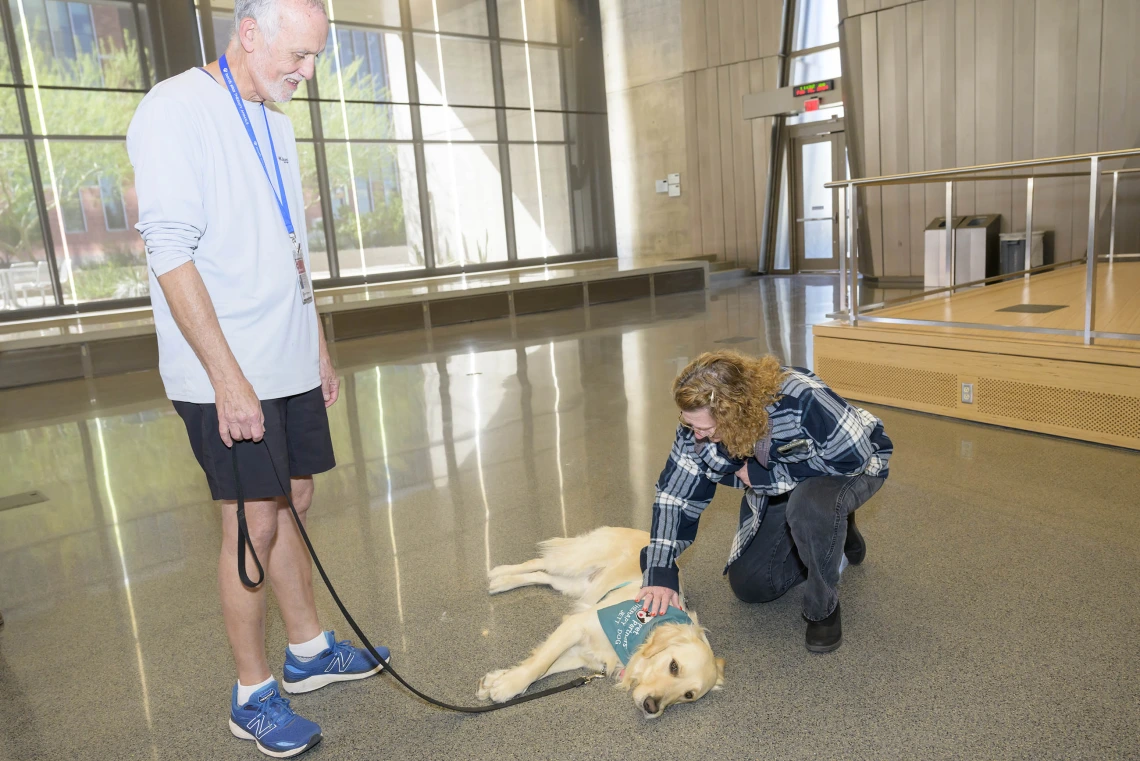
{"x":627,"y":626}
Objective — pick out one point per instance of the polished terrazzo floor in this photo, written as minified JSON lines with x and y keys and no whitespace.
{"x":995,"y":617}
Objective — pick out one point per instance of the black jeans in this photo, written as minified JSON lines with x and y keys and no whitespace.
{"x":801,"y":539}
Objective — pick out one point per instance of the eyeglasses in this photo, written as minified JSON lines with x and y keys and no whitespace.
{"x":703,"y":433}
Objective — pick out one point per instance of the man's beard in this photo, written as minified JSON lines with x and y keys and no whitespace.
{"x":281,"y":92}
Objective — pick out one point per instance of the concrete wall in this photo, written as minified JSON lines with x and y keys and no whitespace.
{"x":676,"y":72}
{"x":942,"y":83}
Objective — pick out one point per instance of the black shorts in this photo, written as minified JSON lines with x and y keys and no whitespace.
{"x":297,"y":432}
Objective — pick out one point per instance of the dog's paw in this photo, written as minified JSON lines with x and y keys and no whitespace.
{"x":502,"y":685}
{"x":498,"y":584}
{"x":499,"y":570}
{"x":487,"y":682}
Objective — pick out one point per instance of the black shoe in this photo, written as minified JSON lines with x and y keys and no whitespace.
{"x":854,"y":547}
{"x":826,"y":635}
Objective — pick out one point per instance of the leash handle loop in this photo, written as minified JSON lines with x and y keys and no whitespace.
{"x":243,"y":539}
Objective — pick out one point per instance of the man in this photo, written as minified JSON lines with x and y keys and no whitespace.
{"x":807,"y":460}
{"x":241,"y":350}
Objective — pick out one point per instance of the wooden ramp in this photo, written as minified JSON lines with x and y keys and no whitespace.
{"x":1050,"y":384}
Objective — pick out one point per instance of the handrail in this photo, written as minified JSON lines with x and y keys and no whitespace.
{"x":958,"y":171}
{"x":848,"y":261}
{"x":973,"y":178}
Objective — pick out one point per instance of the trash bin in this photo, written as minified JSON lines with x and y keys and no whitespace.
{"x":1013,"y":252}
{"x":975,"y":244}
{"x":977,"y":247}
{"x":937,"y":265}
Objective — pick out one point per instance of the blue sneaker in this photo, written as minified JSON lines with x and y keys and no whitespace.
{"x":340,"y":662}
{"x":267,"y":719}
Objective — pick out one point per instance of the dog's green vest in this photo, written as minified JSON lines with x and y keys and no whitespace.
{"x":626,"y":626}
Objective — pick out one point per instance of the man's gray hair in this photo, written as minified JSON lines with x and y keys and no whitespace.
{"x":266,"y":13}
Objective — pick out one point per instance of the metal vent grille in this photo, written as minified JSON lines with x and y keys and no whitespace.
{"x":886,"y":381}
{"x":1113,"y":414}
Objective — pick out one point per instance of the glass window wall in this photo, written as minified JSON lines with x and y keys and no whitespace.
{"x":435,"y":137}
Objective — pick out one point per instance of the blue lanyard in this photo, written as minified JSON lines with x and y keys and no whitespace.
{"x":282,"y":200}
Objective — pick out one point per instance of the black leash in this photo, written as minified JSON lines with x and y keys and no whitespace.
{"x":244,"y":541}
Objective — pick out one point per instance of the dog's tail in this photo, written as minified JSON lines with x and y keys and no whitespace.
{"x":591,"y":551}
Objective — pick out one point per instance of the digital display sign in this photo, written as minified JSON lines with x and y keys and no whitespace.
{"x":813,"y":88}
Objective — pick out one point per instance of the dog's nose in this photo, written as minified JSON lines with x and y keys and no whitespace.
{"x":650,"y":705}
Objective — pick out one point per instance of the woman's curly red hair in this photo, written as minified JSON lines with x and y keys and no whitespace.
{"x":737,"y":389}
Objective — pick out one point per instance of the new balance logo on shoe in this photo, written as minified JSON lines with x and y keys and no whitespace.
{"x":260,"y":725}
{"x":340,"y":661}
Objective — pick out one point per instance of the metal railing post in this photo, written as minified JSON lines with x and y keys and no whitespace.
{"x":950,"y":247}
{"x":1029,"y":229}
{"x":853,"y":309}
{"x":842,"y":250}
{"x":1090,"y":256}
{"x":1112,"y":221}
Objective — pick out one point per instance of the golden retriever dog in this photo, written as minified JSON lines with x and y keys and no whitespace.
{"x":602,"y":569}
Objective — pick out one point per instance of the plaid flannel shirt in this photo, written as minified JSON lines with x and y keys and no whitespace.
{"x":838,"y":439}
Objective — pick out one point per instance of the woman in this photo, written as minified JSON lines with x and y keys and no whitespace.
{"x":807,"y":460}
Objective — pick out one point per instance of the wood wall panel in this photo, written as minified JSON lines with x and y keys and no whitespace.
{"x":1086,"y":114}
{"x":894,"y":151}
{"x":762,"y":77}
{"x":994,"y":106}
{"x":712,"y":31}
{"x":942,"y":83}
{"x":1120,"y":108}
{"x":743,"y":167}
{"x":691,"y":180}
{"x":694,"y":37}
{"x":1024,"y":74}
{"x":732,"y":31}
{"x":872,"y":197}
{"x":956,"y":82}
{"x":751,"y":30}
{"x":770,"y":13}
{"x":938,"y":133}
{"x":708,"y":136}
{"x":915,"y":134}
{"x":727,"y":162}
{"x":1046,"y":102}
{"x":965,"y":91}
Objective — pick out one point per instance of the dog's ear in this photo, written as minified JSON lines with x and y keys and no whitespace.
{"x":719,"y":674}
{"x":659,"y":639}
{"x":654,"y":644}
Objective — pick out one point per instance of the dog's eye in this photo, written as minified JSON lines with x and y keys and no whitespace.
{"x":689,"y":695}
{"x":673,"y":667}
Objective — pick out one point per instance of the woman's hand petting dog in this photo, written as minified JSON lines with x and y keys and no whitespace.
{"x":656,"y":600}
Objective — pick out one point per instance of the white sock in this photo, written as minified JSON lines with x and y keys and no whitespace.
{"x":310,"y":649}
{"x":245,"y":693}
{"x":843,"y":563}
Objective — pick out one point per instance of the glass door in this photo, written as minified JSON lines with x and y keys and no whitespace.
{"x":818,"y":160}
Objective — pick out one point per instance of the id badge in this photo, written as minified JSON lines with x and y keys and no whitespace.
{"x":299,"y":260}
